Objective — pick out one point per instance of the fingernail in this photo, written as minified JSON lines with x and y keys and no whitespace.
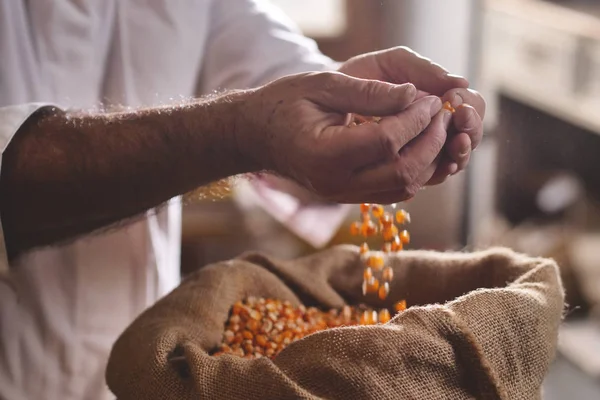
{"x":457,"y":101}
{"x":464,"y":152}
{"x":402,"y":92}
{"x":411,"y":90}
{"x":436,"y":105}
{"x":453,"y":76}
{"x":447,"y":118}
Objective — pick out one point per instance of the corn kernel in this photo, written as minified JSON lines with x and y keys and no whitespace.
{"x":397,"y":244}
{"x":364,"y":248}
{"x":368,"y":274}
{"x":355,"y":229}
{"x":377,"y":210}
{"x":387,"y":274}
{"x":389,"y":232}
{"x":400,"y":306}
{"x":386,"y":219}
{"x":405,"y":237}
{"x":384,"y":316}
{"x":376,"y":262}
{"x":384,"y":291}
{"x":372,"y":285}
{"x":402,"y":217}
{"x":368,"y":229}
{"x":448,"y":106}
{"x":365,"y":318}
{"x":364,"y":208}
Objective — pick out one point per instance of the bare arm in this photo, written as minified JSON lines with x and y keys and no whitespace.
{"x":64,"y":174}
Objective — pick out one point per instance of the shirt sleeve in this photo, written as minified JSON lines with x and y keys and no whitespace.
{"x":11,"y":119}
{"x":251,"y":42}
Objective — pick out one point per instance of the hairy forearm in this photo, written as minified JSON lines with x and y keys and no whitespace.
{"x":67,"y":174}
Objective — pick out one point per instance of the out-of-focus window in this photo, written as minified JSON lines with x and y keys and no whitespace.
{"x":317,"y":18}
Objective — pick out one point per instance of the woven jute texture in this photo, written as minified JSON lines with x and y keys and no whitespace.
{"x":482,"y":325}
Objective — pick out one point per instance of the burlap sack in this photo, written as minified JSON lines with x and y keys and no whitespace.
{"x":488,"y":330}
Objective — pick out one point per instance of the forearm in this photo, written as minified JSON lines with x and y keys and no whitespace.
{"x":64,"y":174}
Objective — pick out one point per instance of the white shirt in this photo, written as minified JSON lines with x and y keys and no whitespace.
{"x":71,"y":302}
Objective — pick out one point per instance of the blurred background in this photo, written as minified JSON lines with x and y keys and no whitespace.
{"x":534,"y":183}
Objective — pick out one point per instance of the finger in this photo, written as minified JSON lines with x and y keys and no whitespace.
{"x":345,"y":94}
{"x":405,"y":65}
{"x":374,"y":143}
{"x":413,"y":159}
{"x":467,"y":120}
{"x":458,"y":149}
{"x":445,"y":169}
{"x":459,"y":96}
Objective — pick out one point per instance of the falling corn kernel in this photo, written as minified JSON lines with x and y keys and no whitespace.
{"x":387,"y":274}
{"x":371,"y":229}
{"x":389,"y":232}
{"x":368,"y":229}
{"x":364,"y":248}
{"x":366,"y":217}
{"x":384,"y":316}
{"x":405,"y":237}
{"x":386,"y":219}
{"x":364,"y":208}
{"x":384,"y":291}
{"x":377,"y":210}
{"x":402,"y":217}
{"x":376,"y":262}
{"x":397,"y":244}
{"x":368,"y":274}
{"x":387,"y":247}
{"x":400,"y":306}
{"x":355,"y":229}
{"x":372,"y":285}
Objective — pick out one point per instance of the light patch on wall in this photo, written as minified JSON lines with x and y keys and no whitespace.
{"x":317,"y":18}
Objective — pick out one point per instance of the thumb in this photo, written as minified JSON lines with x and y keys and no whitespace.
{"x":346,"y":94}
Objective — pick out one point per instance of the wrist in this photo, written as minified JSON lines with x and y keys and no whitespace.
{"x":250,"y":142}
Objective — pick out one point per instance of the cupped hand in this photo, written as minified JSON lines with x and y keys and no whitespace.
{"x":402,"y":65}
{"x":295,"y":126}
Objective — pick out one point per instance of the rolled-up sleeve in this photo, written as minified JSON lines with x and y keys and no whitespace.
{"x":252,"y":42}
{"x":11,"y":119}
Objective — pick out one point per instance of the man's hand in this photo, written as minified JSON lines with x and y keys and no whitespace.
{"x":401,"y":65}
{"x":295,"y":127}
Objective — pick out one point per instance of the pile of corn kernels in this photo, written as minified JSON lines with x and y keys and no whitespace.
{"x":261,"y":327}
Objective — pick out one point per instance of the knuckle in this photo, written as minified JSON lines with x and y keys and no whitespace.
{"x":388,"y":147}
{"x":329,"y":80}
{"x":407,"y":52}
